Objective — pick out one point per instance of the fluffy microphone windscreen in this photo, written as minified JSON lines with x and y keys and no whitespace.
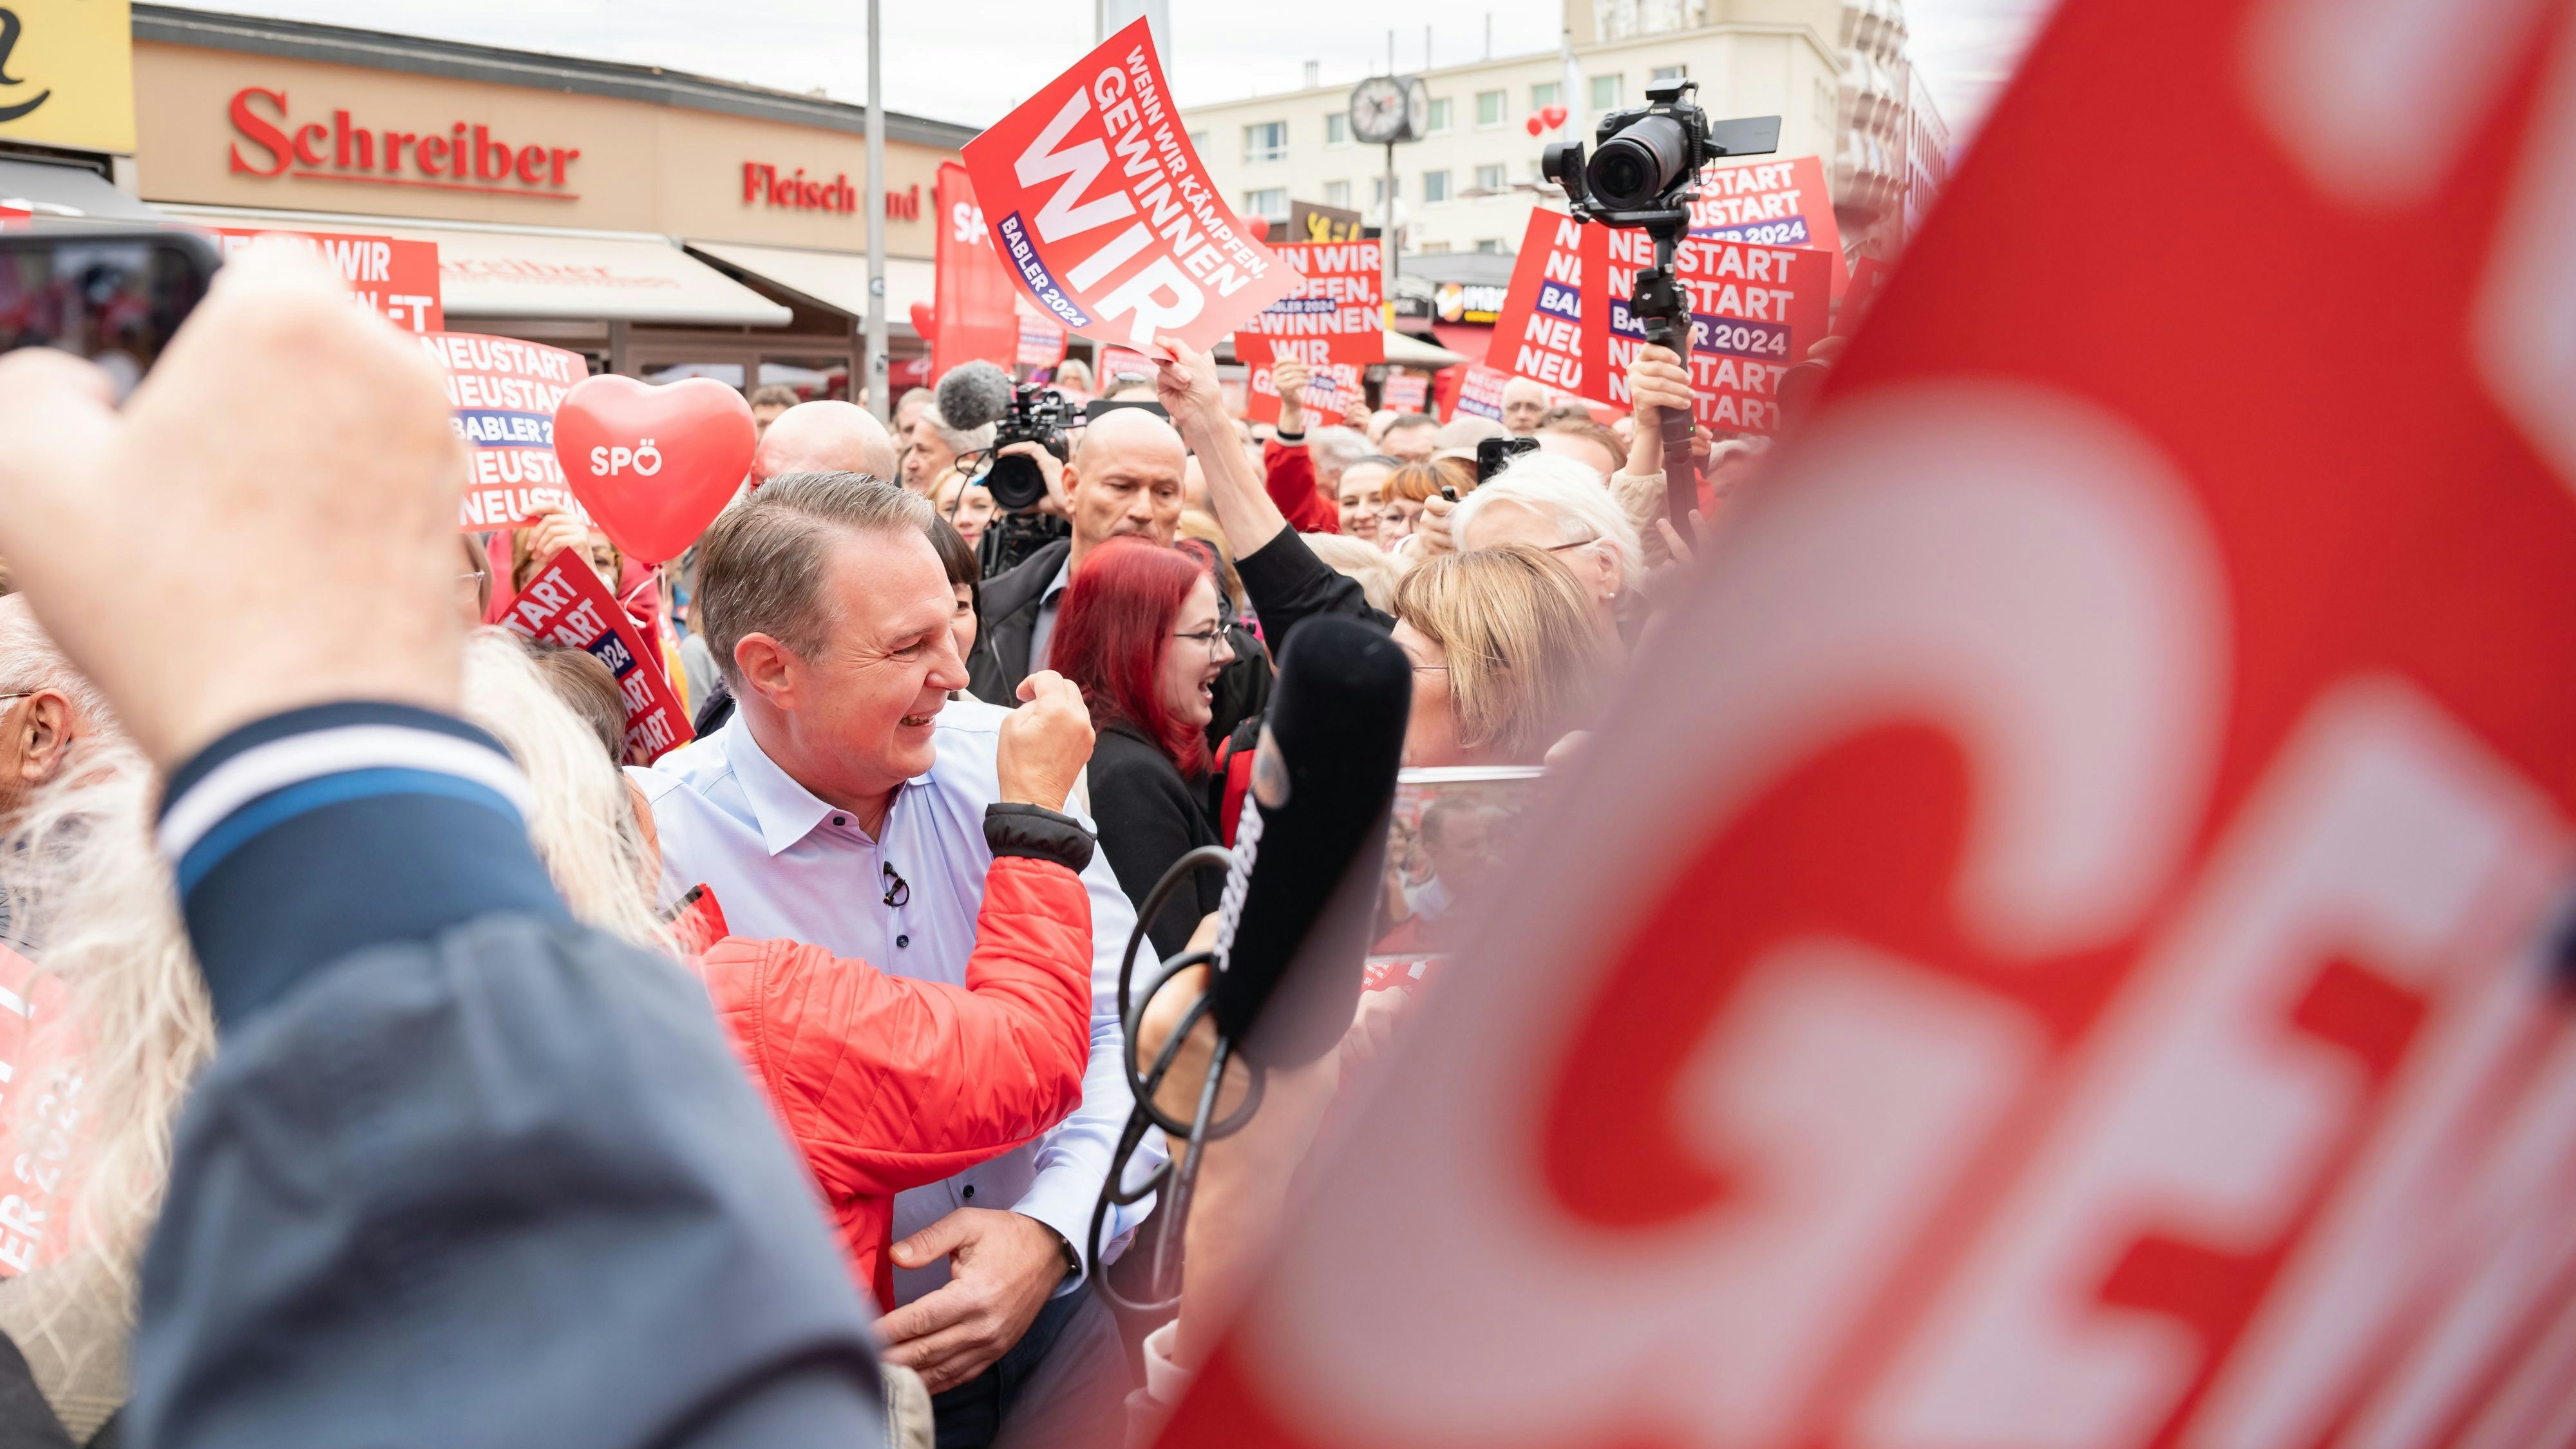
{"x":973,"y":394}
{"x":1300,"y":899}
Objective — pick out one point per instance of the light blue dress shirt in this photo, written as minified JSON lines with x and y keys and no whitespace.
{"x":782,"y":864}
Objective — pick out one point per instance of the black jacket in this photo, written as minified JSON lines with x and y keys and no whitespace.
{"x":1149,"y":817}
{"x":1288,"y":585}
{"x":1006,"y":622}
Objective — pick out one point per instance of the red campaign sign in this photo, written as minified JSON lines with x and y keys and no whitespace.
{"x":1333,"y":314}
{"x":1329,"y":389}
{"x":504,"y":393}
{"x":565,"y":603}
{"x":1540,"y":332}
{"x":974,"y":298}
{"x":1480,"y":392}
{"x":1120,"y":362}
{"x":2086,"y":967}
{"x":1771,"y":203}
{"x":1405,"y":391}
{"x":1755,"y":311}
{"x":1101,"y":210}
{"x":1042,"y":339}
{"x":388,"y":276}
{"x":41,"y":1114}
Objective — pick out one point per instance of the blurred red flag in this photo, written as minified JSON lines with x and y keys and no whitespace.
{"x":977,"y":316}
{"x":2055,"y":947}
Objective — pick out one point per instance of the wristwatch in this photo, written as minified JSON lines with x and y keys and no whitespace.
{"x":1072,"y":1254}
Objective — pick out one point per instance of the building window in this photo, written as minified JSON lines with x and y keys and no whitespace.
{"x":1665,"y":73}
{"x":1439,"y":114}
{"x":1435,"y":186}
{"x":1266,"y":142}
{"x":1433,"y":249}
{"x":1545,"y":94}
{"x":1491,"y":246}
{"x":1337,"y":193}
{"x":1270,"y":203}
{"x":1377,"y":190}
{"x":1489,"y":108}
{"x":1490,"y":178}
{"x":1337,"y":129}
{"x":1609,"y":92}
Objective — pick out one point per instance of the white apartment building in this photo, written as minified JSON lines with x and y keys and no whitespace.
{"x":1470,"y":185}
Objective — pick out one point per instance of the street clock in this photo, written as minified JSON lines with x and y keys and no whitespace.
{"x":1388,"y":109}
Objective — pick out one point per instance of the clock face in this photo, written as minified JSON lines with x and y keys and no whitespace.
{"x":1417,"y":109}
{"x":1378,"y":110}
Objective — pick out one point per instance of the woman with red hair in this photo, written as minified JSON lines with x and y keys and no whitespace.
{"x":1139,"y":631}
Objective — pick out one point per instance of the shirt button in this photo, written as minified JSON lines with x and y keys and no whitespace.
{"x":903,"y":940}
{"x":840,"y":819}
{"x":970,"y":1192}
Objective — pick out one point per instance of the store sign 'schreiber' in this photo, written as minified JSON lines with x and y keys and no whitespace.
{"x":465,"y":157}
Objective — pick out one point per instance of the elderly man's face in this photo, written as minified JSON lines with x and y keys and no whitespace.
{"x":1523,"y":403}
{"x":1126,"y":478}
{"x":929,"y":457}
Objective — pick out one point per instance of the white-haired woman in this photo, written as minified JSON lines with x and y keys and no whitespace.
{"x":1558,"y":505}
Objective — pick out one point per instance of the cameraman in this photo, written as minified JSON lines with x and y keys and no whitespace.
{"x":1125,"y":480}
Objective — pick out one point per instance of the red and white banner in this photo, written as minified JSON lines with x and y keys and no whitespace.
{"x":974,"y":298}
{"x":1480,"y":392}
{"x":1332,"y":315}
{"x":1405,"y":392}
{"x":44,"y":1116}
{"x":565,"y":603}
{"x":1772,"y":203}
{"x":1755,"y":311}
{"x":1100,"y":209}
{"x":1540,"y":333}
{"x":504,"y":393}
{"x":1329,"y":390}
{"x":2085,"y":967}
{"x":388,"y":276}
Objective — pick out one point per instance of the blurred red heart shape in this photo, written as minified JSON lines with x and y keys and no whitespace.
{"x":654,"y":465}
{"x":1554,"y":116}
{"x":1535,"y":126}
{"x":924,"y":321}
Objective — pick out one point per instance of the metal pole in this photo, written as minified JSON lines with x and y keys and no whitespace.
{"x":879,"y":375}
{"x":1388,"y":231}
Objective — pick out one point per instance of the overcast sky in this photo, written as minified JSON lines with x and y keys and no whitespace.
{"x":969,"y":60}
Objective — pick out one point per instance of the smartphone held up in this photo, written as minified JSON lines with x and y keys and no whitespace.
{"x":115,"y":298}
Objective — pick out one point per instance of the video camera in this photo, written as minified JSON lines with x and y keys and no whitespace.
{"x":1644,"y":173}
{"x":1038,"y":414}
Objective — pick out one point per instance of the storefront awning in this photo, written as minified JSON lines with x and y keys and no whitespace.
{"x":1468,"y":339}
{"x":520,"y":274}
{"x":67,"y":193}
{"x":838,"y":280}
{"x":1406,"y":351}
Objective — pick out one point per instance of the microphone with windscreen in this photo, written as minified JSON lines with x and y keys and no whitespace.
{"x":1302,"y":888}
{"x":1295,"y":921}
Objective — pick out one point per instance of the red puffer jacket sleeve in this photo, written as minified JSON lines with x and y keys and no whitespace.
{"x":1291,"y":481}
{"x":887,"y":1083}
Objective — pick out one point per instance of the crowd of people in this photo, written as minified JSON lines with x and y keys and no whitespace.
{"x":761,"y":1092}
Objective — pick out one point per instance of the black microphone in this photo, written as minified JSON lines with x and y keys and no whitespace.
{"x":973,"y":394}
{"x":1302,"y":890}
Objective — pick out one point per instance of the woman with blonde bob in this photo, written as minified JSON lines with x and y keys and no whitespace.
{"x":1507,"y":656}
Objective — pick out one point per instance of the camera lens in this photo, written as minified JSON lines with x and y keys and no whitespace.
{"x":1015,"y":483}
{"x":1634,"y":169}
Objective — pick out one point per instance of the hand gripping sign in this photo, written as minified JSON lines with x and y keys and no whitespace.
{"x":504,"y":393}
{"x":1099,"y":206}
{"x":565,"y":603}
{"x":2082,"y":968}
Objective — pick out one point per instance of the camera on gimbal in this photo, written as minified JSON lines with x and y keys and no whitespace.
{"x":1643,"y":173}
{"x":1646,"y":163}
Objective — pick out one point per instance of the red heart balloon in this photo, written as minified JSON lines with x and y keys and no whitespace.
{"x":654,"y":465}
{"x":1535,"y":126}
{"x":1554,"y":116}
{"x":924,"y":321}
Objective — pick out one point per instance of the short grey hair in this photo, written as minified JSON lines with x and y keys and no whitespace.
{"x":760,"y":564}
{"x":1336,"y":448}
{"x":30,"y":661}
{"x":966,"y":440}
{"x":1568,"y":492}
